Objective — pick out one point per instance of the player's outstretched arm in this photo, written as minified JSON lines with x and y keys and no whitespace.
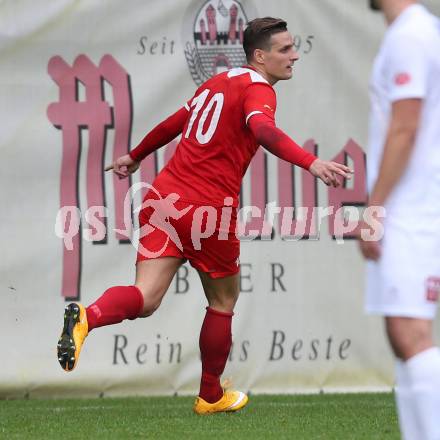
{"x":328,"y":172}
{"x":161,"y":135}
{"x":124,"y":166}
{"x":278,"y":143}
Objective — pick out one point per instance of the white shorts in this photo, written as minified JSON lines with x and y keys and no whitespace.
{"x":406,"y":280}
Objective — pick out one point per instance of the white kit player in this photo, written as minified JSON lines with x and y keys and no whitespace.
{"x":403,"y":278}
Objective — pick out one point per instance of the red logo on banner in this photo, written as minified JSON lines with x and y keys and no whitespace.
{"x":70,"y":115}
{"x":217,"y":39}
{"x":402,"y":78}
{"x":433,"y":289}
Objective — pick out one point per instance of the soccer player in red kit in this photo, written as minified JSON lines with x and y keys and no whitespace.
{"x":222,"y":126}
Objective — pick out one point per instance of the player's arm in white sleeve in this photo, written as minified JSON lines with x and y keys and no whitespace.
{"x":406,"y":81}
{"x":400,"y":140}
{"x":406,"y":84}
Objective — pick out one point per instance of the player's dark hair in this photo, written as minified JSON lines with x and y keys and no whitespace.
{"x":258,"y":32}
{"x":374,"y":5}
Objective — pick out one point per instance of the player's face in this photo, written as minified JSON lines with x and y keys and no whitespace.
{"x":279,"y":60}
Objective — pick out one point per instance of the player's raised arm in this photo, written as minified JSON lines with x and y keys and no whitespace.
{"x":161,"y":135}
{"x":259,"y":106}
{"x":278,"y":143}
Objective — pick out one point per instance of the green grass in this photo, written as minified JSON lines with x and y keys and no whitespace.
{"x":332,"y":416}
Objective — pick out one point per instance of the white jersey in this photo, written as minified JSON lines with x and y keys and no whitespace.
{"x":405,"y":281}
{"x":408,"y":66}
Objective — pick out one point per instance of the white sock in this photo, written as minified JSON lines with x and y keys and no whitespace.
{"x":408,"y":420}
{"x":423,"y":374}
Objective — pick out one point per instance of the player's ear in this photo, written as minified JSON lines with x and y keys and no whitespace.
{"x":259,"y":56}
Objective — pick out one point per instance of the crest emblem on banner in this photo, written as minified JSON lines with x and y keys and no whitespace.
{"x":217,"y":39}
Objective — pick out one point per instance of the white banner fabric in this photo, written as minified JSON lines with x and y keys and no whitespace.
{"x":81,"y":83}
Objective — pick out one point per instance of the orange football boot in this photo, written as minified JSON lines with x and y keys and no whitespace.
{"x":72,"y":337}
{"x":230,"y":401}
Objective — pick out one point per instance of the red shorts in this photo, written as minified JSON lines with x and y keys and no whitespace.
{"x":204,"y":235}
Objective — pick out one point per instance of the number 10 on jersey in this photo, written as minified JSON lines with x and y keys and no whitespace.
{"x":214,"y":105}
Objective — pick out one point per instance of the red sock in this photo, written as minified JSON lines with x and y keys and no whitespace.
{"x":215,"y":343}
{"x":115,"y":305}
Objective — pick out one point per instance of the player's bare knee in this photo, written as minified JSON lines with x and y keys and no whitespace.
{"x":149,"y":308}
{"x":152,"y":299}
{"x":147,"y":313}
{"x":223,"y":301}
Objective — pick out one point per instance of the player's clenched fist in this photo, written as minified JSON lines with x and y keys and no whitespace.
{"x":124,"y":166}
{"x":328,"y":172}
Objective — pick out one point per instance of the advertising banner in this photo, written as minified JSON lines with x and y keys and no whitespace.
{"x":81,"y":84}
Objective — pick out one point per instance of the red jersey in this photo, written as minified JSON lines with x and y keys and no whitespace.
{"x":216,"y":145}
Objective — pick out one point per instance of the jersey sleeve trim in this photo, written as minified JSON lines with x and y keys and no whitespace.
{"x":257,"y":99}
{"x":256,"y":112}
